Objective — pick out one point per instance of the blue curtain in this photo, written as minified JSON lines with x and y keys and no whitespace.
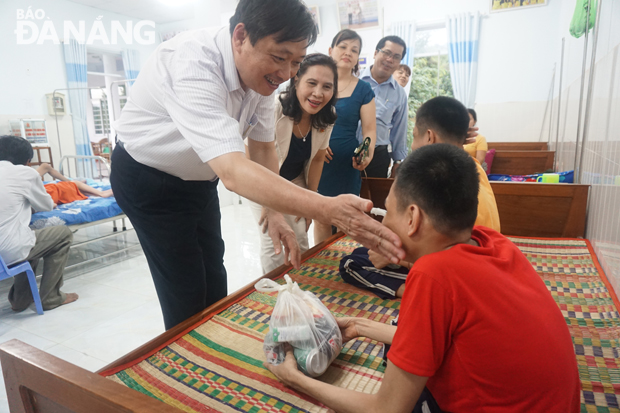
{"x":463,"y":44}
{"x":406,"y":31}
{"x":76,"y":64}
{"x":131,"y":63}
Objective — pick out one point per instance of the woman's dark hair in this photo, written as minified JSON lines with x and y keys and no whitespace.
{"x":348,"y":34}
{"x":16,"y":150}
{"x":290,"y":104}
{"x":289,"y":20}
{"x":442,"y":180}
{"x":473,"y":115}
{"x":406,"y":68}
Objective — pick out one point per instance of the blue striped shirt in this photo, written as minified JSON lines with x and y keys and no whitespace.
{"x":392,"y":112}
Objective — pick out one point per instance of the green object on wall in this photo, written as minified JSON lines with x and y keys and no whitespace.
{"x":578,"y":23}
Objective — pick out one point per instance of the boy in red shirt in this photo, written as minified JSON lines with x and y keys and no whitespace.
{"x":477,"y":327}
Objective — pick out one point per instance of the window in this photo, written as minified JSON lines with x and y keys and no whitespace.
{"x":122,"y":95}
{"x":430,"y":74}
{"x":104,"y":70}
{"x":101,"y":116}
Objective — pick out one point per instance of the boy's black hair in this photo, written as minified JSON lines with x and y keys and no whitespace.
{"x":348,"y":34}
{"x":393,"y":39}
{"x":16,"y":150}
{"x":442,"y":180}
{"x":288,"y":20}
{"x":290,"y":103}
{"x":473,"y":115}
{"x":446,"y":116}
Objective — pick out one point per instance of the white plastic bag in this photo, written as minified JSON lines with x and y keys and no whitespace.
{"x":300,"y":319}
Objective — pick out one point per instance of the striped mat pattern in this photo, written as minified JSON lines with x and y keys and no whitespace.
{"x":217,"y":367}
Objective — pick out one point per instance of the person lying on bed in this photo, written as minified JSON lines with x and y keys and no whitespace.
{"x":438,"y":120}
{"x":21,"y":191}
{"x":477,"y":328}
{"x":66,"y":190}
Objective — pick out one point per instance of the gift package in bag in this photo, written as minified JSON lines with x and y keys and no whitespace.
{"x":300,"y":319}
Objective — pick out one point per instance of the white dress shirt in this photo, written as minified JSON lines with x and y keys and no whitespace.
{"x":187,"y":107}
{"x":21,"y":189}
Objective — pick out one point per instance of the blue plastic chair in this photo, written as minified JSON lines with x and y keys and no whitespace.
{"x":9,"y":272}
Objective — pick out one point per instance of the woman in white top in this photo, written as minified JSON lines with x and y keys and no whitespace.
{"x":304,"y":118}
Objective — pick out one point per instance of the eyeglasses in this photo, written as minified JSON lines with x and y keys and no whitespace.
{"x":390,"y":55}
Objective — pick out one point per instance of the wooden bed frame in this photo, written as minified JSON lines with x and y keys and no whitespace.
{"x":525,"y":209}
{"x":519,"y":146}
{"x":39,"y":382}
{"x":531,"y":209}
{"x":522,"y":162}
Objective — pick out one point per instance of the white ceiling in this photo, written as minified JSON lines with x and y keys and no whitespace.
{"x":153,"y":10}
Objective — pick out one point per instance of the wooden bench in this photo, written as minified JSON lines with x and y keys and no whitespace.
{"x":522,"y":162}
{"x":525,"y":209}
{"x":518,"y":146}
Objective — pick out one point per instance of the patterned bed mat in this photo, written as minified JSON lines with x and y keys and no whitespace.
{"x":218,"y":366}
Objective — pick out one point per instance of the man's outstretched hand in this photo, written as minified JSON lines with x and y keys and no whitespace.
{"x":348,"y":213}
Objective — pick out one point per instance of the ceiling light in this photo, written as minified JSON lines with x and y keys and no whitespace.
{"x":176,"y":3}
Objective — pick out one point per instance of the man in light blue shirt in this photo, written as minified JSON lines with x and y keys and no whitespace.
{"x":391,"y":102}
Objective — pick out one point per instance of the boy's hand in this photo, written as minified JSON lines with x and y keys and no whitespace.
{"x":378,"y":260}
{"x":286,"y":371}
{"x":348,"y":328}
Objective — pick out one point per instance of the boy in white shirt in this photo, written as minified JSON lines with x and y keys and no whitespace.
{"x":22,"y":191}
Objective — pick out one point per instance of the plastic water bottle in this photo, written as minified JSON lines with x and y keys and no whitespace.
{"x":274,"y":352}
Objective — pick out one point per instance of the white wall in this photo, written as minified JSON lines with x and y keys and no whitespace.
{"x":29,"y":71}
{"x":518,"y":50}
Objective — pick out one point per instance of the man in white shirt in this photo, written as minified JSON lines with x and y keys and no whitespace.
{"x":21,"y":190}
{"x":195,"y":100}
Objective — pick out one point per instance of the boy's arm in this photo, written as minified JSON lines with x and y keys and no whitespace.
{"x":374,"y":330}
{"x":398,"y":393}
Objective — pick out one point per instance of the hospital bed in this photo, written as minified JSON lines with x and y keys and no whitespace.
{"x":83,"y":214}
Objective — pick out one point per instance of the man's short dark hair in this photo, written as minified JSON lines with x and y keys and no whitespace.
{"x":446,"y":116}
{"x":16,"y":150}
{"x":442,"y":180}
{"x":393,"y":39}
{"x":288,"y":20}
{"x":405,"y":68}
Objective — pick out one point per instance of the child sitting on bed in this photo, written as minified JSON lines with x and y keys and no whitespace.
{"x":438,"y":120}
{"x":66,"y":190}
{"x":477,"y":328}
{"x":21,"y":191}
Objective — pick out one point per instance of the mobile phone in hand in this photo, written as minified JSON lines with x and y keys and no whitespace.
{"x":361,"y":152}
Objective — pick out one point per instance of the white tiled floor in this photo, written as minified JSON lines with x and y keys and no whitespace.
{"x":120,"y":301}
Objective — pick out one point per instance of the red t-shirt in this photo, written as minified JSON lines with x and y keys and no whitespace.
{"x":481,"y":324}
